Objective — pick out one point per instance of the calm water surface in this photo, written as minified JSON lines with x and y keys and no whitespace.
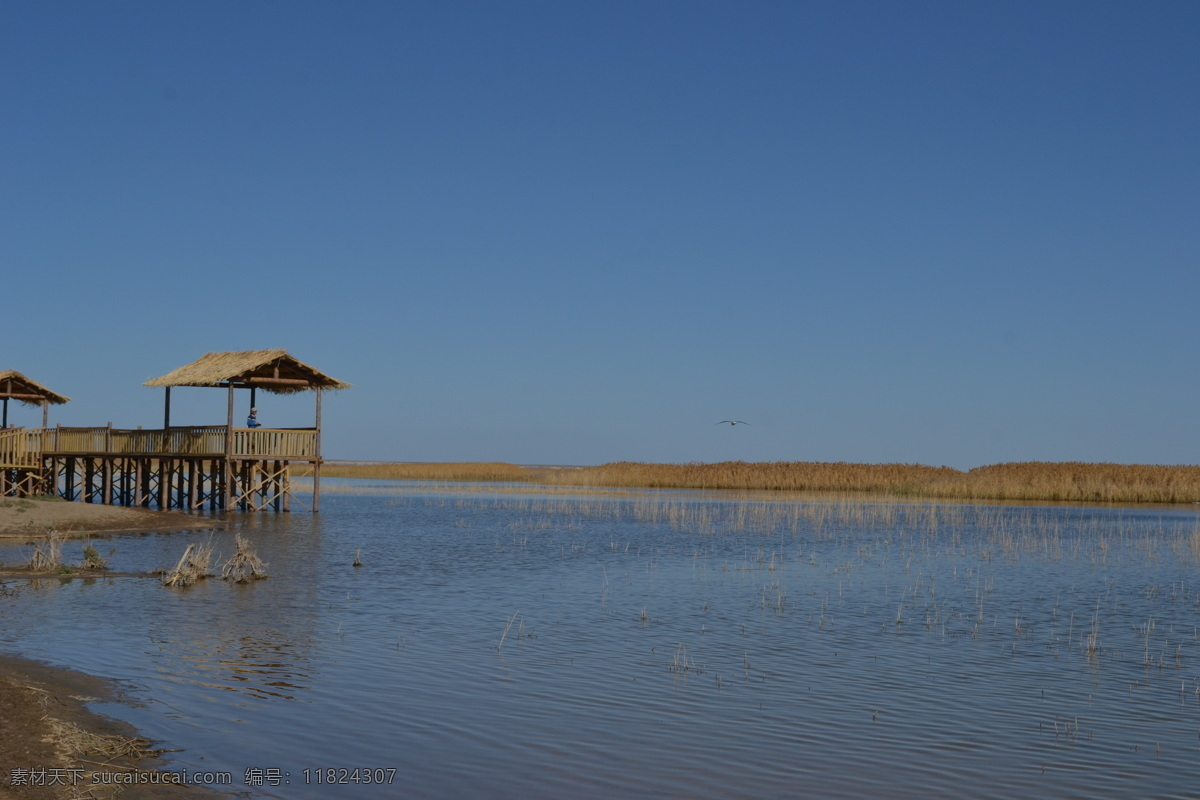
{"x":500,"y":642}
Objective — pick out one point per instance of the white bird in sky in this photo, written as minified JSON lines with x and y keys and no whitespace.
{"x":732,"y":422}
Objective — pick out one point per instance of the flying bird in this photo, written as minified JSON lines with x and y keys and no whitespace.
{"x":732,"y":422}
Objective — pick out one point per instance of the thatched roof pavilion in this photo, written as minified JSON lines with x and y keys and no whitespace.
{"x":271,"y":370}
{"x":15,"y":386}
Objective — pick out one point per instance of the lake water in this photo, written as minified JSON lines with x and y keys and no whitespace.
{"x":508,"y":642}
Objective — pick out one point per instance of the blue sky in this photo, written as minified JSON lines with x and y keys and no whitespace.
{"x":949,"y":233}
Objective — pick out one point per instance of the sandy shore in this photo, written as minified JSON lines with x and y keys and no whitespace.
{"x":52,"y":747}
{"x":30,"y":519}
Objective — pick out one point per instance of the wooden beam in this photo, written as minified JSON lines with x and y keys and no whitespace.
{"x":41,"y":398}
{"x":280,"y":381}
{"x":244,"y":383}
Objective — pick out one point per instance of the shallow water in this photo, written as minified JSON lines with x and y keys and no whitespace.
{"x":502,"y":643}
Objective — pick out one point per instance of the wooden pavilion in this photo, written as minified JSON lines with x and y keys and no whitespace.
{"x":19,"y":466}
{"x":256,"y":468}
{"x":191,"y":467}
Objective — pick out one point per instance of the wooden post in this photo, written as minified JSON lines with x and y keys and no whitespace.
{"x":317,"y":455}
{"x":221,"y":498}
{"x":45,"y":413}
{"x":191,"y":484}
{"x":229,"y":454}
{"x":164,"y":483}
{"x":4,"y":424}
{"x":244,"y":495}
{"x":287,"y":488}
{"x":166,"y":440}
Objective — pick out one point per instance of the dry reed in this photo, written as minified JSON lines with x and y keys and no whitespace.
{"x":193,"y":566}
{"x":1027,"y":481}
{"x":47,"y":554}
{"x":507,"y":628}
{"x":245,"y":565}
{"x":434,"y":471}
{"x":77,"y":742}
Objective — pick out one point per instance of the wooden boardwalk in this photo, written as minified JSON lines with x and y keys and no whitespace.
{"x":186,"y":468}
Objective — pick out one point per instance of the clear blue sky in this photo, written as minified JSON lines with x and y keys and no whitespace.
{"x":575,"y":232}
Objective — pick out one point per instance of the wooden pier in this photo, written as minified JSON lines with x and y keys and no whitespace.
{"x":187,"y":468}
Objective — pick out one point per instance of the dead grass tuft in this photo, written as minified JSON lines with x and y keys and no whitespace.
{"x":78,"y":742}
{"x":245,"y":565}
{"x":47,"y":554}
{"x":193,"y":566}
{"x":92,"y":560}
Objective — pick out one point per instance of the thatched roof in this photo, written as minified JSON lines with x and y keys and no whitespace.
{"x":270,"y":370}
{"x":15,"y":385}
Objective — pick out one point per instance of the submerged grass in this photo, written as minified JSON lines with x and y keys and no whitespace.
{"x":1025,"y":481}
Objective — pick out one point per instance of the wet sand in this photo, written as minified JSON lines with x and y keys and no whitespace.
{"x":52,"y":747}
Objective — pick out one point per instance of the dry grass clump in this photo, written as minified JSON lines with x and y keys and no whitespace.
{"x":78,"y":742}
{"x":245,"y":565}
{"x":92,"y":560}
{"x":47,"y":554}
{"x":193,"y":566}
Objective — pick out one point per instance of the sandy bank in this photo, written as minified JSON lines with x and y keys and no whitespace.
{"x":45,"y":726}
{"x":29,"y":519}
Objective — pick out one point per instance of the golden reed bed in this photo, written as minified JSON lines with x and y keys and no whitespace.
{"x":1034,"y":481}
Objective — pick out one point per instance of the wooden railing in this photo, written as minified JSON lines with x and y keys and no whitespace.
{"x":204,"y":440}
{"x":20,"y":448}
{"x":275,"y":442}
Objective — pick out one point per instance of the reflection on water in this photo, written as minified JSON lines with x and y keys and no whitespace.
{"x":500,"y":642}
{"x":257,"y":666}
